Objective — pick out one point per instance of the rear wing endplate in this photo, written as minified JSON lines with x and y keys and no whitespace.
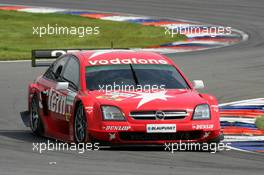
{"x":43,"y":57}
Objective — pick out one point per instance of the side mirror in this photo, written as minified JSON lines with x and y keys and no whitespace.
{"x":198,"y":84}
{"x":62,"y":85}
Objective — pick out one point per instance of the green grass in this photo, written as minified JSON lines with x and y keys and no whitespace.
{"x":17,"y":39}
{"x":260,"y":122}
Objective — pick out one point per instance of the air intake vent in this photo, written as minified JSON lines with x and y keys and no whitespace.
{"x":158,"y":115}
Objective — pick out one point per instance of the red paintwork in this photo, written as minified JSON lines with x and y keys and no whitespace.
{"x":56,"y":125}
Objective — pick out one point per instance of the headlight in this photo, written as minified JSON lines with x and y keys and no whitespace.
{"x":201,"y":112}
{"x":112,"y":113}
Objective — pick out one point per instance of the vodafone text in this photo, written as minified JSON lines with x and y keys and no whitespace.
{"x":128,"y":61}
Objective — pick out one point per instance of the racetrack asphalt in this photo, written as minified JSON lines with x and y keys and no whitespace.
{"x":231,"y":73}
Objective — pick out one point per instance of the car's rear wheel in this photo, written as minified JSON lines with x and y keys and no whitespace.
{"x":35,"y":120}
{"x":80,"y":124}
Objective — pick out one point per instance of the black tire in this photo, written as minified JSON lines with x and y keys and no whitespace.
{"x":36,"y":124}
{"x":80,"y":125}
{"x":215,"y":142}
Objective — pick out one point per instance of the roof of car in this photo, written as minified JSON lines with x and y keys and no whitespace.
{"x":106,"y":57}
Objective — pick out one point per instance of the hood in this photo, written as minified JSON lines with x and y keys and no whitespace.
{"x":159,"y":100}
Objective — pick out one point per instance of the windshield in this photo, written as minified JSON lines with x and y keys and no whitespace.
{"x":165,"y":76}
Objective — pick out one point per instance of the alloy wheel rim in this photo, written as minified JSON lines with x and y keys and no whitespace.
{"x":80,"y":125}
{"x":34,"y":116}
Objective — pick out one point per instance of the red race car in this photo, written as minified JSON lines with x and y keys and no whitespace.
{"x":119,"y":97}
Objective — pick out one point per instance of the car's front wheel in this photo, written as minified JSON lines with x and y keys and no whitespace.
{"x":80,"y":124}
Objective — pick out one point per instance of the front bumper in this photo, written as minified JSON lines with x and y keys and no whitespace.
{"x":125,"y":133}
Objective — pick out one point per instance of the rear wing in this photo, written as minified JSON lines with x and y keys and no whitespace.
{"x":43,"y":57}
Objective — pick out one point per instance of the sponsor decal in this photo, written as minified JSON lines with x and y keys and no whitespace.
{"x":206,"y":134}
{"x":70,"y":97}
{"x":57,"y":53}
{"x":215,"y":108}
{"x":161,"y":128}
{"x":112,"y":136}
{"x":68,"y":114}
{"x":89,"y":109}
{"x":116,"y":96}
{"x":201,"y":126}
{"x":145,"y":97}
{"x":127,"y":61}
{"x":116,"y":128}
{"x":56,"y":101}
{"x":121,"y":94}
{"x":148,"y":97}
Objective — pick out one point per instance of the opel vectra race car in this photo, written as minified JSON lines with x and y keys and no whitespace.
{"x":119,"y":97}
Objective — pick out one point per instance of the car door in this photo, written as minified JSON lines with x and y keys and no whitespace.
{"x":70,"y":74}
{"x":54,"y":101}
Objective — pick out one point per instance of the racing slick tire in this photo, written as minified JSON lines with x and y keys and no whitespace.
{"x":36,"y":124}
{"x":215,"y":142}
{"x":80,"y":124}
